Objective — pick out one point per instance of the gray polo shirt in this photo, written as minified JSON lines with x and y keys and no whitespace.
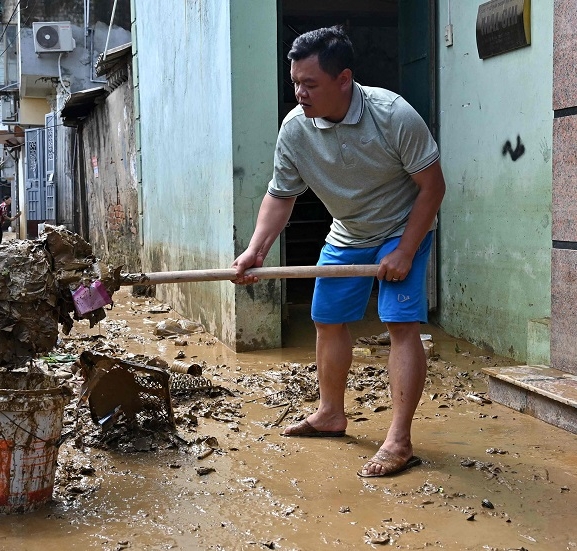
{"x":360,"y":168}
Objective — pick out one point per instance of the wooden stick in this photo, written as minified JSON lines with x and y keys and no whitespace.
{"x":186,"y":276}
{"x":282,"y":415}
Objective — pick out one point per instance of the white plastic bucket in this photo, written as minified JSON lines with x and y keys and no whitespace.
{"x":31,"y":415}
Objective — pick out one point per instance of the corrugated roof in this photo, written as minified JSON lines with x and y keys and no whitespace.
{"x":80,"y":104}
{"x":112,"y":56}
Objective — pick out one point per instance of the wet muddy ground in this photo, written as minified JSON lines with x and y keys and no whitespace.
{"x":492,"y":479}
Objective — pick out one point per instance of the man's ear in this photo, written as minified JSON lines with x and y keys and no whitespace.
{"x":345,"y":78}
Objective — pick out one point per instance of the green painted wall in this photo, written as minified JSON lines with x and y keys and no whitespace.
{"x":207,"y":111}
{"x":495,"y":223}
{"x":254,"y":132}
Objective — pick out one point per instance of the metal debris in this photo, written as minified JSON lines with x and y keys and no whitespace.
{"x":115,"y":388}
{"x":193,"y":369}
{"x":181,"y":383}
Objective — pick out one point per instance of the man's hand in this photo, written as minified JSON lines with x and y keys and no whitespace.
{"x":246,"y":260}
{"x":272,"y":218}
{"x":395,"y":266}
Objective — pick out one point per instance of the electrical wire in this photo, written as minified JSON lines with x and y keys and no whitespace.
{"x":66,"y":89}
{"x":7,"y":24}
{"x":21,"y":26}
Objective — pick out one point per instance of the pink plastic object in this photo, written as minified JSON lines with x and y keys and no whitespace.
{"x":88,"y":299}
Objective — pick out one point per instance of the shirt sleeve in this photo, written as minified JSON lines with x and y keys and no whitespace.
{"x":286,"y":180}
{"x":411,"y":137}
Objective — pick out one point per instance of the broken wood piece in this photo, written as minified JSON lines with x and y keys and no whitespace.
{"x":282,"y":415}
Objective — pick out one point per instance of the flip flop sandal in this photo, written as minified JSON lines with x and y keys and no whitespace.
{"x":306,"y":430}
{"x":390,"y":463}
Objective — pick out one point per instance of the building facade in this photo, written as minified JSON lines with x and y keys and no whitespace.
{"x":50,"y":51}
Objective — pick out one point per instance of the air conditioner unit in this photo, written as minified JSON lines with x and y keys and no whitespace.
{"x":9,"y":112}
{"x":53,"y":36}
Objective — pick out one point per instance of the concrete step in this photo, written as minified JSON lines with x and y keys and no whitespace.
{"x":540,"y":391}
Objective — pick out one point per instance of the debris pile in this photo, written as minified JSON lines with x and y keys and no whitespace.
{"x":37,"y":279}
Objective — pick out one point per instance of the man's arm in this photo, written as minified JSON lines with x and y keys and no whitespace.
{"x":431,"y":182}
{"x":272,"y":217}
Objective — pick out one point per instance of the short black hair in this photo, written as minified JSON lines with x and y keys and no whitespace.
{"x":331,"y":44}
{"x":6,"y":197}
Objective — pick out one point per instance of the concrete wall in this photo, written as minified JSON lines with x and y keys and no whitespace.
{"x":33,"y":110}
{"x":207,"y":106}
{"x":108,"y":151}
{"x":254,"y":131}
{"x":76,"y":67}
{"x":66,"y":162}
{"x":90,"y":25}
{"x":495,"y":223}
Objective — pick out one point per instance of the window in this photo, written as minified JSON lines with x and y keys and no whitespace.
{"x":8,"y":56}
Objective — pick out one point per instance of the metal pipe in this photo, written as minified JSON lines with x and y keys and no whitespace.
{"x":85,"y":24}
{"x":110,"y":27}
{"x":91,"y":56}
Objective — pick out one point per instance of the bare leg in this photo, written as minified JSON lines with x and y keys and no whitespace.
{"x":334,"y":358}
{"x":407,"y":371}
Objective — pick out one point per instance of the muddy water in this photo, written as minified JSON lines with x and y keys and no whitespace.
{"x":270,"y":492}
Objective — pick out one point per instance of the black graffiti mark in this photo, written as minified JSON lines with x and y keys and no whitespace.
{"x":518,"y":152}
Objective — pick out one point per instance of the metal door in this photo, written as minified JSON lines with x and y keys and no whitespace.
{"x":417,"y":84}
{"x":35,"y":175}
{"x":50,"y":148}
{"x":417,"y":57}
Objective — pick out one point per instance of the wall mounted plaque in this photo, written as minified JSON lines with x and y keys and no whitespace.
{"x":503,"y":26}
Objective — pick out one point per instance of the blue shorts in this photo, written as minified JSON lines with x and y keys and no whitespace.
{"x":345,"y":299}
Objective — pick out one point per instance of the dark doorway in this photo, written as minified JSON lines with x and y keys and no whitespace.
{"x":379,"y":30}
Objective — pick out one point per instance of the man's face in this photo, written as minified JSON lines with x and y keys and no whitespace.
{"x":8,"y":202}
{"x":319,"y":94}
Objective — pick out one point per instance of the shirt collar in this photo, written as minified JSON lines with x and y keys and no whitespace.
{"x":354,"y":113}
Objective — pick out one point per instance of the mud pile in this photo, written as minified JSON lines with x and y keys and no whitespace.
{"x":37,"y":279}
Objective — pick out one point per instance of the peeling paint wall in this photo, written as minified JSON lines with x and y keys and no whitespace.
{"x":208,"y":103}
{"x":108,"y":150}
{"x":496,"y":141}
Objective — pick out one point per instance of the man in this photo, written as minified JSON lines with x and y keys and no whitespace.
{"x":371,"y":160}
{"x":4,"y":213}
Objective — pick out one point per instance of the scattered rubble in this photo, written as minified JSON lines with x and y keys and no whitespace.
{"x":133,"y":403}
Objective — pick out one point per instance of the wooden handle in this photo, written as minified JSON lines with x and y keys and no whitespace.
{"x":186,"y":276}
